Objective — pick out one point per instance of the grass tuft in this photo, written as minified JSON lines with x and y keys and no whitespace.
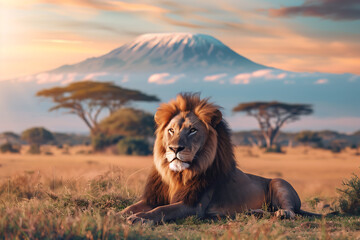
{"x":349,"y":201}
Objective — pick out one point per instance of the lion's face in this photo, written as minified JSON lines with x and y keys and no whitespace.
{"x":186,"y":137}
{"x":183,"y":138}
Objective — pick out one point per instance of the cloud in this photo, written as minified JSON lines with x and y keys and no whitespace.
{"x":109,"y":5}
{"x":353,"y":78}
{"x":125,"y":78}
{"x":93,"y":76}
{"x":70,"y":77}
{"x":327,"y":9}
{"x":61,"y":41}
{"x":243,"y":78}
{"x":28,"y":78}
{"x":164,"y":78}
{"x":213,"y":78}
{"x":44,"y":78}
{"x":321,"y":81}
{"x":268,"y":74}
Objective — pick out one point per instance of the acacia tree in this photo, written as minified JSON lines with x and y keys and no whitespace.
{"x":88,"y":99}
{"x":37,"y":136}
{"x":271,"y":116}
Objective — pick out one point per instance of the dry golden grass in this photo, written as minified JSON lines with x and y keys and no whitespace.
{"x":313,"y":173}
{"x":72,"y":195}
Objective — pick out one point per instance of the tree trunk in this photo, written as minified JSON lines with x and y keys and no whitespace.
{"x":268,"y":141}
{"x":87,"y":122}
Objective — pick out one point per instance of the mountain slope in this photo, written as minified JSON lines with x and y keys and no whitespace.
{"x":176,"y":52}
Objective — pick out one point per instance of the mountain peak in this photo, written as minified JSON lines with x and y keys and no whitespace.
{"x":166,"y":39}
{"x":177,"y":52}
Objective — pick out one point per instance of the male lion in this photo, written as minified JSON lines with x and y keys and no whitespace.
{"x":195,"y":171}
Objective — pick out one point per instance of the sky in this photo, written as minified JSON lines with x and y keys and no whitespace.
{"x":297,"y":35}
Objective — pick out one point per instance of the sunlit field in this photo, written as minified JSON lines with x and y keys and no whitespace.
{"x":74,"y":193}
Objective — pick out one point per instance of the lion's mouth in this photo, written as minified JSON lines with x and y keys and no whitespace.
{"x":178,"y":165}
{"x":175,"y":158}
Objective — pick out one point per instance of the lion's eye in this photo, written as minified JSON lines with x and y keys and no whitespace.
{"x":171,"y":131}
{"x":193,"y":131}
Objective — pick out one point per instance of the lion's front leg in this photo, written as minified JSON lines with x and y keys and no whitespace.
{"x":284,"y":199}
{"x":140,"y":206}
{"x":167,"y":213}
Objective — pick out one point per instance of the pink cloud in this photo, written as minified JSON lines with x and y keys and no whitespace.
{"x":70,"y":77}
{"x":213,"y":78}
{"x":164,"y":78}
{"x":94,"y":75}
{"x":44,"y":78}
{"x":321,"y":81}
{"x":261,"y":73}
{"x":245,"y":78}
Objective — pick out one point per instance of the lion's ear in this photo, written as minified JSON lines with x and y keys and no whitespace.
{"x":159,"y":118}
{"x":216,"y":119}
{"x":156,"y":119}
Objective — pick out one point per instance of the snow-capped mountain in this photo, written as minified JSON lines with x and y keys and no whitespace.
{"x":176,"y":52}
{"x":168,"y":63}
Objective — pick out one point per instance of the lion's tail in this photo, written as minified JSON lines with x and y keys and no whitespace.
{"x":309,"y":214}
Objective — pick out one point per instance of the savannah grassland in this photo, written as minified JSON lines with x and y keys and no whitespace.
{"x":77,"y":195}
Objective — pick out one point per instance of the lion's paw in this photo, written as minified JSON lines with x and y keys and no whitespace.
{"x":257,"y":213}
{"x":135,"y":219}
{"x":285,"y":214}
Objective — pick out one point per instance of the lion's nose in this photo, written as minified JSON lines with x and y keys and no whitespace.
{"x":176,"y":149}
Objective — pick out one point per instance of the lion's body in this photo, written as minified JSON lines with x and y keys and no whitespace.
{"x":195,"y":171}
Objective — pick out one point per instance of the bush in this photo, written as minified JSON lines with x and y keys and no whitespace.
{"x":274,"y":149}
{"x":349,"y":201}
{"x":353,"y":146}
{"x":128,"y":122}
{"x":8,"y":147}
{"x":307,"y":137}
{"x":100,"y":141}
{"x":37,"y":135}
{"x":336,"y":146}
{"x":34,"y":149}
{"x":335,"y":149}
{"x":133,"y":146}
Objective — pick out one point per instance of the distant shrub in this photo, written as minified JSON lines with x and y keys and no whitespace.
{"x":133,"y":146}
{"x":274,"y":149}
{"x":37,"y":135}
{"x":8,"y":147}
{"x":349,"y":201}
{"x":336,"y":146}
{"x":335,"y":149}
{"x":100,"y":141}
{"x":128,"y":122}
{"x":34,"y":149}
{"x":354,"y":146}
{"x":307,"y":137}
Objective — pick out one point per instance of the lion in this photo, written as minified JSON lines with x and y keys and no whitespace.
{"x":195,"y":171}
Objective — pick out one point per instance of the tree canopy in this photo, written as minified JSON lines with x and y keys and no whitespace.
{"x":128,"y":122}
{"x":271,"y":116}
{"x":88,"y":99}
{"x":37,"y":135}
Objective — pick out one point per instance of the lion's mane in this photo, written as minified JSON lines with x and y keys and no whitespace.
{"x":212,"y":165}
